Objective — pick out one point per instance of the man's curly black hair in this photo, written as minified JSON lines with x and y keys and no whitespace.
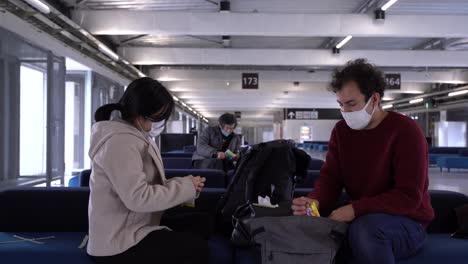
{"x":369,"y":79}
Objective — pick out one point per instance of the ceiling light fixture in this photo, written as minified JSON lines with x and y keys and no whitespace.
{"x":458,"y":93}
{"x":388,"y":5}
{"x":387,"y":106}
{"x":415,"y":101}
{"x":39,"y":5}
{"x":344,"y":41}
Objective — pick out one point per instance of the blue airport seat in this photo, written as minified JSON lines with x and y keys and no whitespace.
{"x":229,"y":176}
{"x":85,"y":175}
{"x":315,"y":164}
{"x":179,"y":154}
{"x":299,"y":145}
{"x":63,"y":214}
{"x":177,"y":163}
{"x":190,"y":149}
{"x":323,"y":148}
{"x":433,"y":157}
{"x":464,"y":152}
{"x":445,"y":150}
{"x":74,"y":181}
{"x":452,"y":163}
{"x":214,"y":178}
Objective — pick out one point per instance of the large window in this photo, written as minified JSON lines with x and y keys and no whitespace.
{"x":74,"y":122}
{"x":33,"y":120}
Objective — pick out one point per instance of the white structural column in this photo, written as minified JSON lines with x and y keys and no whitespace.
{"x":171,"y":75}
{"x":131,"y":22}
{"x":288,"y":57}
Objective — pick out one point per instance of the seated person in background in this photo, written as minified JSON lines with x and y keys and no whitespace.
{"x":381,"y":160}
{"x":213,"y":142}
{"x":129,"y":192}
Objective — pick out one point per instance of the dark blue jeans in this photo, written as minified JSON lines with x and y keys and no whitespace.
{"x":384,"y":239}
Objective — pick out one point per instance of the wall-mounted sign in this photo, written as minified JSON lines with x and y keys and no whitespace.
{"x":393,"y":81}
{"x":250,"y":80}
{"x":301,"y":114}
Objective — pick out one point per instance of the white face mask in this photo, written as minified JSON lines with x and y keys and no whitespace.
{"x":156,"y":129}
{"x":358,"y":120}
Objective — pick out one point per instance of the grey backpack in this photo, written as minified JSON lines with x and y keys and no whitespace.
{"x":298,"y":239}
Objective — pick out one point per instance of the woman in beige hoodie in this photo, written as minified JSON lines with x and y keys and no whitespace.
{"x":129,"y":191}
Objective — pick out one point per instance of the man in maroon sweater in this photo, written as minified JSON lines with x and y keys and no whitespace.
{"x":381,"y":160}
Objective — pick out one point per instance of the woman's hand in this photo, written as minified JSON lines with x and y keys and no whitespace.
{"x":198,"y":182}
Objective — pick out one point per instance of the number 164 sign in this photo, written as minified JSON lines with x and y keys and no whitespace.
{"x":393,"y":81}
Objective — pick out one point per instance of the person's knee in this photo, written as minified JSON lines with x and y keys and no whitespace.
{"x":365,"y":233}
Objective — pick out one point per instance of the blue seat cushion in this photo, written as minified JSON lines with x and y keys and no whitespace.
{"x":441,"y":248}
{"x":61,"y":249}
{"x":177,"y":163}
{"x":214,"y":178}
{"x":64,"y":249}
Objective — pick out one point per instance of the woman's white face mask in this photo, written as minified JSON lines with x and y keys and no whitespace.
{"x":358,"y":120}
{"x":156,"y":129}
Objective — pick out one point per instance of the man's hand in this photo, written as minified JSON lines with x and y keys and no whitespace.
{"x":343,"y":214}
{"x":299,"y":205}
{"x":221,"y":156}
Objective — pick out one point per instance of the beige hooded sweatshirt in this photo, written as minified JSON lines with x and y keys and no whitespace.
{"x":129,"y":191}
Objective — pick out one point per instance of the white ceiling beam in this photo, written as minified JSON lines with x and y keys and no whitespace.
{"x":292,"y":57}
{"x":180,"y":76}
{"x":130,"y":22}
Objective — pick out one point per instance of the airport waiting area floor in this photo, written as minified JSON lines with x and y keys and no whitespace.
{"x":455,"y":180}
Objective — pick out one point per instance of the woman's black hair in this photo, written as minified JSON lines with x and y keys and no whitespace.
{"x":227,"y":119}
{"x":369,"y":79}
{"x":144,"y":97}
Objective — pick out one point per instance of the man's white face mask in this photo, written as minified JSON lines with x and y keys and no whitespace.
{"x":360,"y":119}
